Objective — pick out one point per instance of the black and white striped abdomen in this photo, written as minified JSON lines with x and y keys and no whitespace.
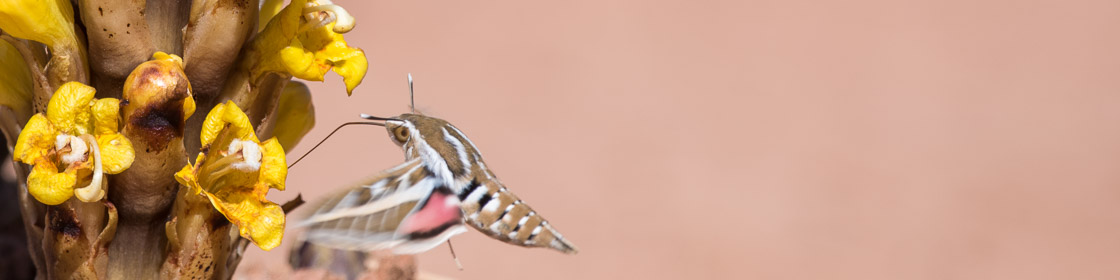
{"x":492,"y":209}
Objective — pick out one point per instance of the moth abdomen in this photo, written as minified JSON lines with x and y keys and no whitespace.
{"x":501,"y":215}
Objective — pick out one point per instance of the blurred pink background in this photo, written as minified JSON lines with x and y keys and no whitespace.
{"x":757,"y":139}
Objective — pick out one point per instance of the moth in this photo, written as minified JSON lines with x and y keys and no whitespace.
{"x":443,"y":186}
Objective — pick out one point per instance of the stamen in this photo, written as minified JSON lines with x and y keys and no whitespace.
{"x":250,"y":153}
{"x":216,"y":170}
{"x":94,"y":191}
{"x":71,"y":148}
{"x":241,"y":156}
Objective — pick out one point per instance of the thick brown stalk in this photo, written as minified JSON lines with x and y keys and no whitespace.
{"x":198,"y":239}
{"x":158,"y":98}
{"x":119,"y":39}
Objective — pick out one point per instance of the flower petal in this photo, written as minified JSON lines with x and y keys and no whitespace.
{"x":258,"y":219}
{"x":106,"y":115}
{"x":268,"y":228}
{"x":116,"y":152}
{"x":68,"y":109}
{"x":219,"y":117}
{"x":274,"y":166}
{"x":35,"y":141}
{"x":302,"y":63}
{"x":352,"y":69}
{"x":213,"y":124}
{"x":50,"y":187}
{"x":49,"y":22}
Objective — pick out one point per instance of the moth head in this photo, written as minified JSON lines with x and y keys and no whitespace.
{"x":405,"y":128}
{"x":429,"y":138}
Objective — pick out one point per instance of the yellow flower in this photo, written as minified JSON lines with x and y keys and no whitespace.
{"x":77,"y":140}
{"x":304,"y":40}
{"x":235,"y":171}
{"x":50,"y":22}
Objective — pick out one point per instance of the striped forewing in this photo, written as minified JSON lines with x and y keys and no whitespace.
{"x":370,"y":215}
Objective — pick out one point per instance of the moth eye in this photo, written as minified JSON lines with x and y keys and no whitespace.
{"x":401,"y":133}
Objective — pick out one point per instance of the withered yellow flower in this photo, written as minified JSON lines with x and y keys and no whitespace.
{"x":76,"y":141}
{"x":235,"y":171}
{"x":304,"y":40}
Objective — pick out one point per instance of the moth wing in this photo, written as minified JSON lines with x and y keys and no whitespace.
{"x":403,"y":209}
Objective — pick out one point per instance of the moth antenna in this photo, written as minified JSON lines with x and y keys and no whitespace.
{"x":412,"y":98}
{"x":457,"y":263}
{"x":329,"y":136}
